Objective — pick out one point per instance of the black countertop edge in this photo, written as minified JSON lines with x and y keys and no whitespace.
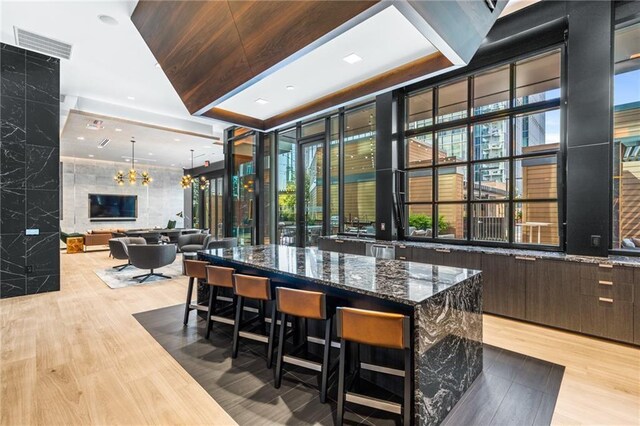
{"x":538,"y":254}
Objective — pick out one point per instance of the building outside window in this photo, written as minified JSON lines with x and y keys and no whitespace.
{"x":626,"y":140}
{"x":484,"y":161}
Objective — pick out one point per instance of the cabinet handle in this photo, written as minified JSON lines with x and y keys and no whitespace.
{"x":604,"y":265}
{"x":602,"y":282}
{"x":605,"y":299}
{"x":528,"y":259}
{"x":443,"y":250}
{"x":339,"y":241}
{"x":402,"y":257}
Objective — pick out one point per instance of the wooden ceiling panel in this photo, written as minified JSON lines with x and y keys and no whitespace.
{"x":208,"y":49}
{"x":271,"y":31}
{"x":197,"y":46}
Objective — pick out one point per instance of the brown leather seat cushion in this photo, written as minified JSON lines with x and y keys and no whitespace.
{"x":195,"y":268}
{"x":372,"y":327}
{"x":220,"y":276}
{"x":252,"y":287}
{"x":301,"y":303}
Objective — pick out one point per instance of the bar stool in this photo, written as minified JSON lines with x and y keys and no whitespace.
{"x":259,"y":289}
{"x":306,"y":305}
{"x":195,"y":270}
{"x":380,"y":329}
{"x":218,"y":276}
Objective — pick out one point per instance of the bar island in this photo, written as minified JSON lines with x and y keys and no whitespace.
{"x":444,"y":304}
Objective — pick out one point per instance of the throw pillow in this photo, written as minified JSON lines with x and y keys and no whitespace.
{"x":627,"y":243}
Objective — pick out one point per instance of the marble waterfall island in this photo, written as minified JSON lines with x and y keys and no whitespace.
{"x":444,"y":304}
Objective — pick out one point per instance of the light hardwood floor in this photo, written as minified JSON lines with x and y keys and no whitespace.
{"x":79,"y":357}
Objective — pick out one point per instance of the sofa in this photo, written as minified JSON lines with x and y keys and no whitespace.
{"x":99,"y":237}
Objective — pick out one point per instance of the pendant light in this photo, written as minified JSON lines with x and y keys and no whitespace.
{"x":187,"y":180}
{"x":133,"y":173}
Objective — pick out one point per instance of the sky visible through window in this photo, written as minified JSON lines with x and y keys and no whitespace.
{"x":627,"y":88}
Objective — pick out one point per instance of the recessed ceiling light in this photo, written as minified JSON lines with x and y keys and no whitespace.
{"x":91,"y":155}
{"x":262,"y":101}
{"x":151,"y":153}
{"x":131,"y":98}
{"x":157,"y":65}
{"x":290,"y":87}
{"x":352,"y":58}
{"x":177,"y":140}
{"x":172,"y":165}
{"x":109,"y":20}
{"x":118,"y":129}
{"x":80,"y":138}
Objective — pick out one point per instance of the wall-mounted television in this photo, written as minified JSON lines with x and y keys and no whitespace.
{"x":113,"y":207}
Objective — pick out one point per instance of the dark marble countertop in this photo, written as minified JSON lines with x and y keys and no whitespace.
{"x":538,"y":254}
{"x":409,"y":283}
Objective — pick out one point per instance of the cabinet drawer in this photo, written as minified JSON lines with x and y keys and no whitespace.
{"x":607,"y":288}
{"x":606,"y":317}
{"x":603,"y":272}
{"x":404,"y":253}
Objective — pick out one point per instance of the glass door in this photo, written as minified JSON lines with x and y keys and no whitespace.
{"x":216,"y":209}
{"x":313,"y":162}
{"x":243,"y":183}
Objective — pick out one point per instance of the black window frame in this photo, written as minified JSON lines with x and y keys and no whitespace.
{"x":469,"y":121}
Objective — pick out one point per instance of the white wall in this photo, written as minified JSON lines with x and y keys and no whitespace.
{"x":157,"y":203}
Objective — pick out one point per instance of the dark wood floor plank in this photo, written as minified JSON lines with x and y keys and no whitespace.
{"x":481,"y":402}
{"x":519,"y":406}
{"x":534,"y":373}
{"x":506,"y":365}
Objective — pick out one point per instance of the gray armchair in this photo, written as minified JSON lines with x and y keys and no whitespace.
{"x":119,"y":249}
{"x":151,"y":257}
{"x":222,"y":243}
{"x":193,"y":242}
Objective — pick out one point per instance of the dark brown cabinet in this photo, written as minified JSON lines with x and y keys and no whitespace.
{"x":552,"y":293}
{"x":462,"y":259}
{"x":428,"y":255}
{"x":606,"y":317}
{"x":342,"y":246}
{"x":503,"y":281}
{"x":404,"y":253}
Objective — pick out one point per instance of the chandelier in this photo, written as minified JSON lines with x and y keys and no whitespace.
{"x":132,"y":176}
{"x":187,"y":180}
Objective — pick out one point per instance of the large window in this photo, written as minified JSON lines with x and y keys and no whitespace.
{"x":243,"y":188}
{"x":481,"y":156}
{"x":359,"y":185}
{"x":286,"y":184}
{"x":626,"y":140}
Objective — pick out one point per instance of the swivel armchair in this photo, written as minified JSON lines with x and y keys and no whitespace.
{"x":151,"y":256}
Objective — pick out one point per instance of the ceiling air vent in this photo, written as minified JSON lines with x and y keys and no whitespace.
{"x":95,"y":125}
{"x":41,"y":44}
{"x":104,"y":142}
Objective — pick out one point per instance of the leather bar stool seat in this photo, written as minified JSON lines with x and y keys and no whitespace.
{"x":195,"y":270}
{"x":218,"y":277}
{"x":379,"y":329}
{"x":257,"y":289}
{"x":306,"y":305}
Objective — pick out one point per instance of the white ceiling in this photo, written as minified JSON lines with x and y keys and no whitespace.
{"x":109,"y":63}
{"x":154,"y":146}
{"x":384,"y":41}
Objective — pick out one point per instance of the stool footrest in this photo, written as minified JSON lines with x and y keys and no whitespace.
{"x":254,"y":336}
{"x":224,"y":320}
{"x":197,"y":307}
{"x":321,"y":341}
{"x":381,"y":369}
{"x":311,"y":365}
{"x":391,"y":407}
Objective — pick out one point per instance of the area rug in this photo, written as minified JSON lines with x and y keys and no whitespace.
{"x":120,"y":279}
